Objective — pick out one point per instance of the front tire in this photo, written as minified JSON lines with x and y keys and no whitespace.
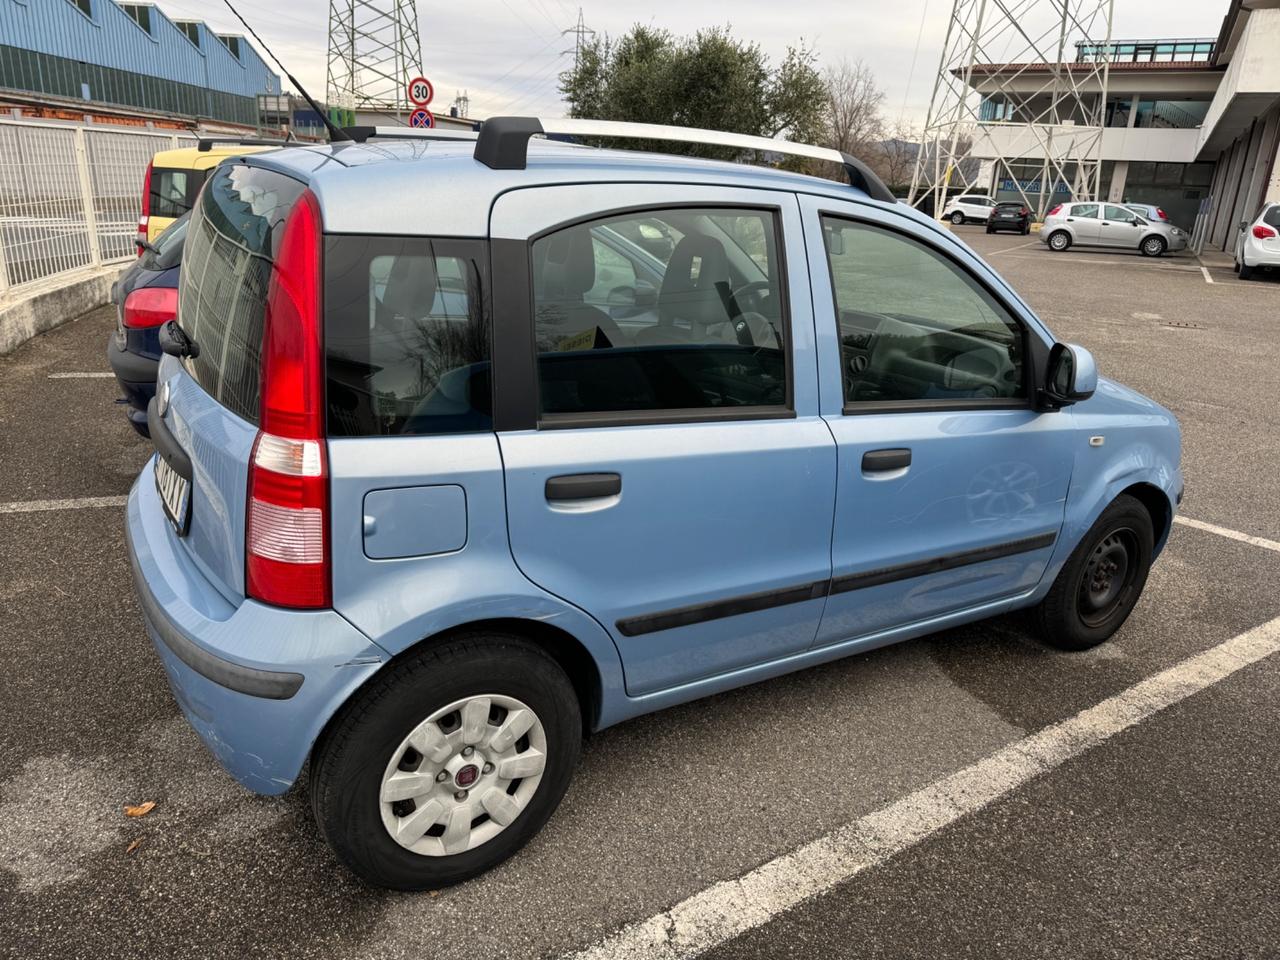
{"x":447,"y":762}
{"x":1101,"y":581}
{"x":1153,"y":246}
{"x":1060,"y":241}
{"x":957,"y":218}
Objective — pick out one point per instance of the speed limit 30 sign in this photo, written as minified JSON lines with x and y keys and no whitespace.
{"x":421,"y":91}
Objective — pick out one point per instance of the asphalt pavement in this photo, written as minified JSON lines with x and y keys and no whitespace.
{"x":1163,"y":840}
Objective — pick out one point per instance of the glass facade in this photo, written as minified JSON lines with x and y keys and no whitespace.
{"x":62,"y":77}
{"x":1148,"y":51}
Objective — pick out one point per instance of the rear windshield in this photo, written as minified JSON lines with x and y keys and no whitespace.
{"x":230,"y":246}
{"x":172,"y":191}
{"x":1272,"y":216}
{"x":166,"y":249}
{"x":406,"y":336}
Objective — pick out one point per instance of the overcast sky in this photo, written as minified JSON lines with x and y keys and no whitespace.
{"x":507,"y":53}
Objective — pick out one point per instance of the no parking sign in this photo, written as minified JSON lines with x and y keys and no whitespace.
{"x":422,"y":118}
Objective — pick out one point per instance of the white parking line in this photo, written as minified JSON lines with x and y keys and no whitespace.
{"x":94,"y":375}
{"x":996,"y":253}
{"x":82,"y":503}
{"x":732,"y":907}
{"x":1229,"y":534}
{"x":1205,"y":271}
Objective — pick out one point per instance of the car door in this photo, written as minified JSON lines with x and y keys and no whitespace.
{"x":674,"y":478}
{"x":1120,"y":227}
{"x":1084,"y":221}
{"x":951,"y":485}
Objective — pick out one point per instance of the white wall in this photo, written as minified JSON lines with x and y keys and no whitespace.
{"x":1118,"y":143}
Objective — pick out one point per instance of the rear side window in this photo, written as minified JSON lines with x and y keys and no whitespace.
{"x":171,"y":192}
{"x":675,"y":312}
{"x":229,"y":249}
{"x":1087,"y":211}
{"x":406,"y":336}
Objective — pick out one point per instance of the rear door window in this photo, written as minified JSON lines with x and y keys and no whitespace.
{"x":172,"y":192}
{"x":406,"y":336}
{"x":1086,"y":211}
{"x":229,"y":249}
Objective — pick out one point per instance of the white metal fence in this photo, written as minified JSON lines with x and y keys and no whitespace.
{"x":70,"y":195}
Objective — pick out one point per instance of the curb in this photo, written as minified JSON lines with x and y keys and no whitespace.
{"x":52,"y":303}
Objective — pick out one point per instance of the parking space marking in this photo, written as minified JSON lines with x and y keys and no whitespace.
{"x":80,"y":503}
{"x":1121,"y":261}
{"x":1205,"y":271}
{"x":996,"y":253}
{"x":1228,"y":533}
{"x":733,"y":907}
{"x":94,"y":375}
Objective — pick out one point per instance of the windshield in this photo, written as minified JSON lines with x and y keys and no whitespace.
{"x":166,"y":249}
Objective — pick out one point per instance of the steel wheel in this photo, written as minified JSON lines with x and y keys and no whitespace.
{"x":463,"y":775}
{"x":1108,"y":577}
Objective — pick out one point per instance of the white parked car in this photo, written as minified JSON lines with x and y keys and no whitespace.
{"x":1258,"y":244}
{"x":969,"y":207}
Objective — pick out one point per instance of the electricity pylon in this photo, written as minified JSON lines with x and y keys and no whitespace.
{"x":1020,"y":82}
{"x":374,"y":52}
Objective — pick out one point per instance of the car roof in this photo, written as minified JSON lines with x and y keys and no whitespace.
{"x":438,"y":188}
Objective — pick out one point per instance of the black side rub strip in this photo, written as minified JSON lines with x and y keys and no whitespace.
{"x":702,"y":612}
{"x":905,"y":571}
{"x":753,"y":602}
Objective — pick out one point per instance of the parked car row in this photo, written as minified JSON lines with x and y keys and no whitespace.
{"x":421,"y":532}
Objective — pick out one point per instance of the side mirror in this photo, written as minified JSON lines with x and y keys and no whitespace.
{"x":1072,"y":375}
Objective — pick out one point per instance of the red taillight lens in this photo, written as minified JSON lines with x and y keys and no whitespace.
{"x":150,"y":307}
{"x":1161,"y":214}
{"x":1263,"y":232}
{"x":1022,"y":212}
{"x":145,"y":219}
{"x":287,"y":526}
{"x":1055,"y":211}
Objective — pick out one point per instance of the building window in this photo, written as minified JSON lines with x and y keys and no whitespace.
{"x":1171,"y":114}
{"x":84,"y":6}
{"x":231,"y":43}
{"x":140,"y":14}
{"x":190,"y":29}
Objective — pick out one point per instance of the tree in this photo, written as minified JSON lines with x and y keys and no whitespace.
{"x":711,"y":80}
{"x":853,"y":107}
{"x":894,"y":157}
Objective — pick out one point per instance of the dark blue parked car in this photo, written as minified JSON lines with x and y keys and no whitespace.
{"x":146,"y":295}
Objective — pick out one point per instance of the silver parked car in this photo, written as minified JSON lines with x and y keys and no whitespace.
{"x":1108,"y":225}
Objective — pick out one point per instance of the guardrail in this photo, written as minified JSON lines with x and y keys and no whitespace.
{"x":70,"y":196}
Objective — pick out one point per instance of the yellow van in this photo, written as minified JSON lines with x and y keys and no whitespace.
{"x":173,"y":180}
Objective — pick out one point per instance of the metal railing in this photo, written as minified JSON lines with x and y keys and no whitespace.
{"x":70,"y":196}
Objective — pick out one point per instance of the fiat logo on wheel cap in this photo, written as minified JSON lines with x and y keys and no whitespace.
{"x":467,"y":776}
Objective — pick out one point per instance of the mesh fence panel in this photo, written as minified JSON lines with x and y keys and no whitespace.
{"x":44,"y":205}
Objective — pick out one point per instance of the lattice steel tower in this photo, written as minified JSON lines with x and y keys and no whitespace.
{"x":1019,"y":80}
{"x":374,"y":52}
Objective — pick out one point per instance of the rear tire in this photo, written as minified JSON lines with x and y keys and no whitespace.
{"x":352,"y":763}
{"x":1026,"y":230}
{"x":957,"y":218}
{"x":1101,"y":581}
{"x":1060,"y":241}
{"x":1247,"y":272}
{"x":991,"y":230}
{"x":1153,"y":247}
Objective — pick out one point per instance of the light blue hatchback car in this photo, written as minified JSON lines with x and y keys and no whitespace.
{"x":468,"y":449}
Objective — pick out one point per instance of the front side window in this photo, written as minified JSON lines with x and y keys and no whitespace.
{"x":914,"y":326}
{"x":1119,"y":214}
{"x":661,"y":311}
{"x":406,"y":336}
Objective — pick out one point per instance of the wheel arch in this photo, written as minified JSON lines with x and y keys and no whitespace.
{"x":1158,"y":506}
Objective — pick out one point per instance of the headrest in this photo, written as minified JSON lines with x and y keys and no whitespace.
{"x":569,"y":268}
{"x":411,"y":287}
{"x":693,"y":298}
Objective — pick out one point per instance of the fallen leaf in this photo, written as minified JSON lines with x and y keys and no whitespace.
{"x":141,"y":810}
{"x":433,"y":893}
{"x":133,"y":846}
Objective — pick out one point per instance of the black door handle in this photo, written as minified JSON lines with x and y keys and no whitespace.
{"x":880,"y":461}
{"x":584,"y":486}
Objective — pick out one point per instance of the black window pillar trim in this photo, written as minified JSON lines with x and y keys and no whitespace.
{"x":513,"y":357}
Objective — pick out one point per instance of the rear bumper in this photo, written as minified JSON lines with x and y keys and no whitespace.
{"x":257,"y":683}
{"x":136,"y":376}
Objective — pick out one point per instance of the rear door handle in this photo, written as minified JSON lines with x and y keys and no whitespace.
{"x":583,"y":486}
{"x":881,"y":461}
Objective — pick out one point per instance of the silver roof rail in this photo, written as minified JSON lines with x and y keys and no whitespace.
{"x":361,"y":134}
{"x":504,"y":144}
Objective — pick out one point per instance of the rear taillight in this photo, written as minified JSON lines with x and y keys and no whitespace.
{"x":150,"y":307}
{"x":1022,"y":212}
{"x":1161,"y":214}
{"x":144,"y":219}
{"x":287,"y":527}
{"x":1263,"y":232}
{"x":1055,"y":211}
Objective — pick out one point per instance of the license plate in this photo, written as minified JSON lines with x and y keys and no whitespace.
{"x":175,"y":495}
